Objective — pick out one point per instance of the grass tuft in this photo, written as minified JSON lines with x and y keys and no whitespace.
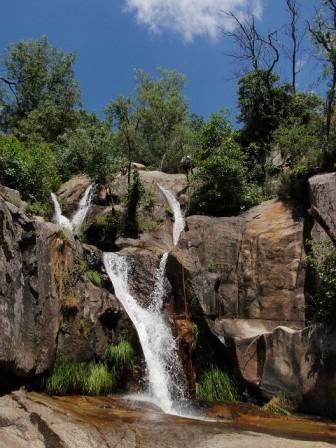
{"x":95,"y":278}
{"x":67,"y":377}
{"x":121,"y":356}
{"x":278,"y":405}
{"x":99,"y":380}
{"x":71,"y":377}
{"x":216,"y":385}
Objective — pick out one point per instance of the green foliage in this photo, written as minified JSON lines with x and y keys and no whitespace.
{"x":71,"y":377}
{"x":95,"y":278}
{"x":151,"y":127}
{"x":39,"y":208}
{"x":121,"y":356}
{"x":130,"y":224}
{"x":89,"y":149}
{"x":148,"y":200}
{"x":263,"y":103}
{"x":31,"y":169}
{"x":295,"y":142}
{"x":41,"y":104}
{"x":67,"y":377}
{"x":322,"y":259}
{"x":99,"y":380}
{"x":212,"y":133}
{"x":278,"y":405}
{"x":216,"y":385}
{"x":220,"y":186}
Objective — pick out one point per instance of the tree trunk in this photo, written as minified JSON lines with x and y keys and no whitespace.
{"x":316,"y":214}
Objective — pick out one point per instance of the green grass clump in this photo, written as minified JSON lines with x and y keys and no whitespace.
{"x":121,"y":356}
{"x":67,"y":377}
{"x":95,"y":278}
{"x":71,"y":377}
{"x":278,"y":405}
{"x":216,"y":385}
{"x":99,"y":380}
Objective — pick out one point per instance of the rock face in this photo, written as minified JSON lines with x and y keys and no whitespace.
{"x":71,"y":192}
{"x":48,"y":303}
{"x":27,"y":292}
{"x":322,"y":195}
{"x":248,"y":273}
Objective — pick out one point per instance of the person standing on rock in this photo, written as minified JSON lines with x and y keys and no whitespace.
{"x":186,"y":165}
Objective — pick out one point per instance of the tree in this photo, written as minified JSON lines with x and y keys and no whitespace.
{"x":260,"y":52}
{"x":220,"y":186}
{"x":42,"y":93}
{"x":263,"y":103}
{"x":323,"y":33}
{"x":163,"y":116}
{"x":212,"y":133}
{"x":89,"y":149}
{"x":29,"y":169}
{"x":293,"y":10}
{"x":123,"y":116}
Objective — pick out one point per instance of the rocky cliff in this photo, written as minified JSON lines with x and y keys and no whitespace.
{"x":48,"y":304}
{"x":240,"y":280}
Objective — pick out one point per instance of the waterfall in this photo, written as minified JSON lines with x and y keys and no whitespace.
{"x":83,"y":207}
{"x":62,"y":220}
{"x":157,"y":341}
{"x":80,"y":214}
{"x":179,"y":222}
{"x":165,"y":373}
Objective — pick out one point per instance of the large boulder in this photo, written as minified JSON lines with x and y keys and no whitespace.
{"x":247,"y":273}
{"x":71,"y":192}
{"x":322,"y":190}
{"x":28,"y":293}
{"x":54,"y":298}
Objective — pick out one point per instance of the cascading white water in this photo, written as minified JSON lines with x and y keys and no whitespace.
{"x":83,"y":208}
{"x":165,"y":373}
{"x":179,"y":222}
{"x":79,"y":216}
{"x":156,"y":338}
{"x":62,"y":220}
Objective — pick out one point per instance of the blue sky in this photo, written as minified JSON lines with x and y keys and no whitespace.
{"x":113,"y":37}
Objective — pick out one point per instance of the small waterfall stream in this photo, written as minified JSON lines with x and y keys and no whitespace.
{"x":165,"y":373}
{"x":80,"y":214}
{"x":179,"y":222}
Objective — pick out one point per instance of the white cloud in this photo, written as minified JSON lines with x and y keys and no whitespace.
{"x":191,"y":18}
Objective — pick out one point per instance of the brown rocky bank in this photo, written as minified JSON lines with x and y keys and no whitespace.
{"x":38,"y":421}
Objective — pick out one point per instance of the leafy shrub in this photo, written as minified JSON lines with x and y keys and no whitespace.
{"x":148,"y":200}
{"x":216,"y":385}
{"x":323,"y":260}
{"x":220,"y":186}
{"x":40,"y":209}
{"x":121,"y":356}
{"x":30,"y":169}
{"x":95,"y":278}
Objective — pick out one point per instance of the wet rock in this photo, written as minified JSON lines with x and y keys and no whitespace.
{"x":71,"y":192}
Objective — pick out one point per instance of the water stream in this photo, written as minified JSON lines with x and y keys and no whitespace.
{"x":165,"y":373}
{"x":179,"y":222}
{"x":80,"y":214}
